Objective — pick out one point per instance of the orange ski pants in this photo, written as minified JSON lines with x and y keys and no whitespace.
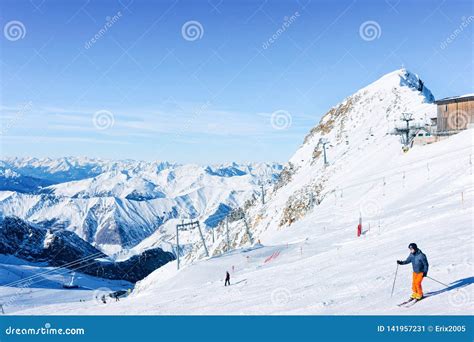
{"x":416,"y":285}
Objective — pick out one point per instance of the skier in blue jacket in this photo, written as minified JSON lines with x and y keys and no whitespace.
{"x":420,"y":269}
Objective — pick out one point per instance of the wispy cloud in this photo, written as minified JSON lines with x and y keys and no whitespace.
{"x":41,"y":138}
{"x":146,"y":123}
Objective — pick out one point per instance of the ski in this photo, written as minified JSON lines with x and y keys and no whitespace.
{"x":413,"y":302}
{"x":410,"y":304}
{"x":406,"y":302}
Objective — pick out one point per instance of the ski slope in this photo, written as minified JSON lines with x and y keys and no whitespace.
{"x":36,"y":284}
{"x":318,"y":265}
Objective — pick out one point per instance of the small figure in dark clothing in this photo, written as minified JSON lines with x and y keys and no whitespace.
{"x":103,"y":299}
{"x":227,"y":278}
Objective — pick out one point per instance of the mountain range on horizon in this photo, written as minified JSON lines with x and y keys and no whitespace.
{"x":116,"y":204}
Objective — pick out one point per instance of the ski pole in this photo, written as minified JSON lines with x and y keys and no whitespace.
{"x":394,"y":279}
{"x":438,"y":281}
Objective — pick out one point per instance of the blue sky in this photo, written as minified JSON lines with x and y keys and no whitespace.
{"x":148,"y":89}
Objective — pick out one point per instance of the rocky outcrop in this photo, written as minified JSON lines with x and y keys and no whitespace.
{"x":300,"y":203}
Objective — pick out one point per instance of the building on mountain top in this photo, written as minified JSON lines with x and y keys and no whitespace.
{"x":455,"y":114}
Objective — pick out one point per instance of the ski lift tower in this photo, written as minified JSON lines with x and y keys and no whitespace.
{"x":71,"y":284}
{"x":407,"y":117}
{"x":227,"y":232}
{"x":262,"y":184}
{"x":262,"y":192}
{"x":324,"y":141}
{"x":186,"y":226}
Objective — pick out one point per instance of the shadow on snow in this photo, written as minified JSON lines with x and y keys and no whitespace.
{"x":454,"y":285}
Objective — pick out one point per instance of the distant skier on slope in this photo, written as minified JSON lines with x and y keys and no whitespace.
{"x":227,"y":278}
{"x":420,"y":269}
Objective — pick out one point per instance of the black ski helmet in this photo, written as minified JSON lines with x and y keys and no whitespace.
{"x":413,"y":245}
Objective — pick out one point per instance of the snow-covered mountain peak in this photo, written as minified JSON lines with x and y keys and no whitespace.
{"x":399,"y":78}
{"x":352,"y":137}
{"x":370,"y":114}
